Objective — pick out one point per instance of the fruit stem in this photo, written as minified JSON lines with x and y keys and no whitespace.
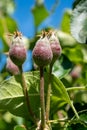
{"x":25,"y":91}
{"x":42,"y":100}
{"x":48,"y":95}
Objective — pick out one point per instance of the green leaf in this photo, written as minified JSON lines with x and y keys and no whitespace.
{"x":79,"y":22}
{"x":11,"y":24}
{"x":74,"y":54}
{"x":39,"y":13}
{"x":7,"y":7}
{"x":5,"y":46}
{"x":59,"y":71}
{"x":18,"y":127}
{"x":1,"y":28}
{"x":80,"y":124}
{"x":83,"y":116}
{"x":81,"y":96}
{"x":62,"y":36}
{"x":65,"y":24}
{"x":59,"y":94}
{"x":7,"y":25}
{"x":12,"y":98}
{"x":75,"y":3}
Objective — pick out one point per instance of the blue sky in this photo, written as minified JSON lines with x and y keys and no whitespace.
{"x":24,"y":17}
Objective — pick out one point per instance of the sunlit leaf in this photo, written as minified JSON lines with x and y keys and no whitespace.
{"x":65,"y":24}
{"x":1,"y":28}
{"x":12,"y":98}
{"x":59,"y":94}
{"x":79,"y":22}
{"x":5,"y":46}
{"x":39,"y":13}
{"x":7,"y":25}
{"x":66,"y":39}
{"x":74,"y":54}
{"x":7,"y":7}
{"x":11,"y":24}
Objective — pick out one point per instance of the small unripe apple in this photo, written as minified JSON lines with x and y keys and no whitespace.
{"x":11,"y":67}
{"x":55,"y":47}
{"x":42,"y":53}
{"x":17,"y":50}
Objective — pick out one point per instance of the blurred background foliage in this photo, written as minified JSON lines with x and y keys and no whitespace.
{"x":71,"y":68}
